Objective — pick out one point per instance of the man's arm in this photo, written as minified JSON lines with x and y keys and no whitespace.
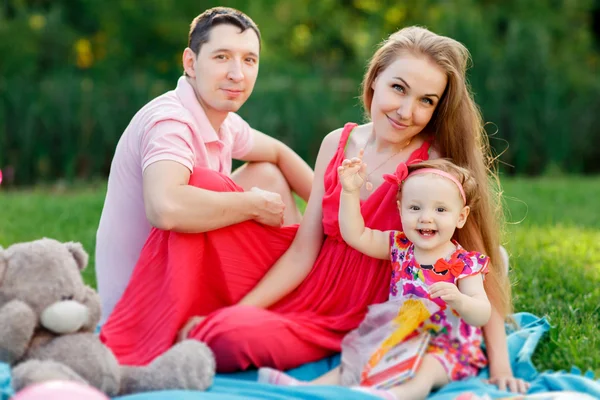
{"x":295,"y":170}
{"x":172,"y":204}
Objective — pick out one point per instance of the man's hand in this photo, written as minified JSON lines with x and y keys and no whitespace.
{"x":270,"y":207}
{"x":187,"y":328}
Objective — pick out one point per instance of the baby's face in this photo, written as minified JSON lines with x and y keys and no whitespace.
{"x":431,"y":209}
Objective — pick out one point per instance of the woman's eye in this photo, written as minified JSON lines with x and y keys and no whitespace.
{"x":427,"y":101}
{"x":398,"y":87}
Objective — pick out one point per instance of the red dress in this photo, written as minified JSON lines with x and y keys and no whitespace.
{"x":181,"y":275}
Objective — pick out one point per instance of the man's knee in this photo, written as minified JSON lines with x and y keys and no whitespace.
{"x":267,"y":176}
{"x":264,"y":175}
{"x":267,"y":172}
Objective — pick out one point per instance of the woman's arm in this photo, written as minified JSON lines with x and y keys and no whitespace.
{"x":295,"y":264}
{"x":501,"y":373}
{"x":494,"y":333}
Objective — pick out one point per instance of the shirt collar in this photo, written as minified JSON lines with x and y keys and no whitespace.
{"x":188,"y":98}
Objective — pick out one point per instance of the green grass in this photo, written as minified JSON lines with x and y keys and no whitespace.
{"x":65,"y":215}
{"x":553,"y":238}
{"x":555,"y":260}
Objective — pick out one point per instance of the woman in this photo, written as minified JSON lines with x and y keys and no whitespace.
{"x":416,"y":96}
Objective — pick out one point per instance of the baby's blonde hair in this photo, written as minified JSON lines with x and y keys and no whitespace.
{"x":462,"y":175}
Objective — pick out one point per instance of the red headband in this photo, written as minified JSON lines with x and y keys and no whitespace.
{"x":402,"y":174}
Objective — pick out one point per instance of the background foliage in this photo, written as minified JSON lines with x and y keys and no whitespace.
{"x":74,"y":72}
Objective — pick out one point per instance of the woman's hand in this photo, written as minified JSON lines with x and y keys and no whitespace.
{"x":187,"y":328}
{"x":353,"y":173}
{"x":510,"y":383}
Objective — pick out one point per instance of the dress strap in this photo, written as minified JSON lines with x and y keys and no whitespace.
{"x":422,"y":153}
{"x":348,"y":128}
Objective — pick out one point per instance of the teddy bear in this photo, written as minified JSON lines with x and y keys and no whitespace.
{"x":48,"y":317}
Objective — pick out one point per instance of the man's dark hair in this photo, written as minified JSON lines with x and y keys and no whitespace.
{"x":201,"y":25}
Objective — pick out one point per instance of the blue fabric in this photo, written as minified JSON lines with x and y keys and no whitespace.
{"x":521,"y":344}
{"x":5,"y":389}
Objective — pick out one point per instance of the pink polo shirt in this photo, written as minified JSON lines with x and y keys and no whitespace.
{"x":171,"y":127}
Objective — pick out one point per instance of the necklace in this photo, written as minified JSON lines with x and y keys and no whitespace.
{"x":368,"y":184}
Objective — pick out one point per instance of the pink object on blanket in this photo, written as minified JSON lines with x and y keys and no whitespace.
{"x":59,"y":390}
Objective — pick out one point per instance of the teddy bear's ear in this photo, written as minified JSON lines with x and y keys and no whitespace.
{"x":79,"y":254}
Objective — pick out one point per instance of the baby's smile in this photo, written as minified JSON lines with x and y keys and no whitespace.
{"x":427,"y":232}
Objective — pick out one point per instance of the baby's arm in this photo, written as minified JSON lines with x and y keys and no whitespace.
{"x":371,"y":242}
{"x":476,"y":308}
{"x":468,"y":299}
{"x":368,"y":241}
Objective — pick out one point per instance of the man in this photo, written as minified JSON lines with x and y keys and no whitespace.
{"x":195,"y":126}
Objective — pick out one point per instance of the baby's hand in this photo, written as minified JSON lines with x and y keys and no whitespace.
{"x":449,"y":293}
{"x":352,"y":173}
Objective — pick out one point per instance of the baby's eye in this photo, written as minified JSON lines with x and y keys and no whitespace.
{"x":441,"y":209}
{"x":414,"y":208}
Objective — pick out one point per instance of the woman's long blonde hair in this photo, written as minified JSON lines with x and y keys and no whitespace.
{"x":458,"y":132}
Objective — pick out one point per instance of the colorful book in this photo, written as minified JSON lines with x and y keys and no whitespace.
{"x":399,"y":364}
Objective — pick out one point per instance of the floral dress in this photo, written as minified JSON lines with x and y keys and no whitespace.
{"x":456,"y":344}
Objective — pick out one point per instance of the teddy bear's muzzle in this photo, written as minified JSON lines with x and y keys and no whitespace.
{"x":63,"y":317}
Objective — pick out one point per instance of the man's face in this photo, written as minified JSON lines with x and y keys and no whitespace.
{"x":225,"y":70}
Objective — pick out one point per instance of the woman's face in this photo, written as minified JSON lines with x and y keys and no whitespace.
{"x":405,"y":95}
